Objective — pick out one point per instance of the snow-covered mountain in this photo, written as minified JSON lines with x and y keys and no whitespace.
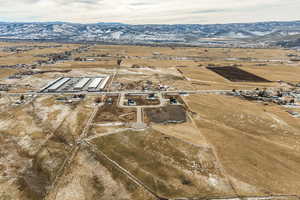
{"x":117,"y":32}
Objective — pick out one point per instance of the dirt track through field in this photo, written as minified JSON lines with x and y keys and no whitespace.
{"x":220,"y":166}
{"x":52,"y":193}
{"x":124,"y":171}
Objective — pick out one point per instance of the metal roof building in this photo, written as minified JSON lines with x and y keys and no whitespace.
{"x":82,"y":83}
{"x":104,"y":82}
{"x":50,"y":83}
{"x":95,"y":83}
{"x":58,"y":84}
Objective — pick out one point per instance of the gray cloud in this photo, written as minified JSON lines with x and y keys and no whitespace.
{"x":149,"y":11}
{"x":210,"y":11}
{"x":78,"y":1}
{"x":142,"y":3}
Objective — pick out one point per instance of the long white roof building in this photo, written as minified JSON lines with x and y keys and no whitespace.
{"x":104,"y":82}
{"x":82,"y":83}
{"x":95,"y":83}
{"x":58,"y":84}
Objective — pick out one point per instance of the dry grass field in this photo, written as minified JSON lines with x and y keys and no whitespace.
{"x":4,"y":73}
{"x":257,"y":145}
{"x":35,"y":140}
{"x":171,"y":168}
{"x":106,"y":64}
{"x":30,"y":56}
{"x":279,"y":72}
{"x":210,"y":53}
{"x":92,"y":178}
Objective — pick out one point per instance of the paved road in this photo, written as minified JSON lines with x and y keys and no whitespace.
{"x":129,"y":91}
{"x":122,"y":102}
{"x":139,"y":120}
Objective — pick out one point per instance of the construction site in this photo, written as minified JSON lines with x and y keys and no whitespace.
{"x":139,"y":123}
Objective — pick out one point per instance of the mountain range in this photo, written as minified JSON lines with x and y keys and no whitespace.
{"x":260,"y":33}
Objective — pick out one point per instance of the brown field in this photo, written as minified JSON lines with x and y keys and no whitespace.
{"x":110,"y":64}
{"x":169,"y":114}
{"x":4,"y":73}
{"x":235,"y":74}
{"x":257,"y":145}
{"x":211,"y":53}
{"x":29,"y":57}
{"x":165,"y":164}
{"x":275,"y":73}
{"x":92,"y":178}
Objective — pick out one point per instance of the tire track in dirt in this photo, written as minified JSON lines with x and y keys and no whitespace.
{"x":218,"y":161}
{"x":52,"y":193}
{"x":124,"y":171}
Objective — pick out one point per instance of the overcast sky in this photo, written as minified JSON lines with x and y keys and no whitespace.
{"x":149,"y":11}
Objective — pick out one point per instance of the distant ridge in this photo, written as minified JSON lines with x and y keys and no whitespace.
{"x":239,"y":34}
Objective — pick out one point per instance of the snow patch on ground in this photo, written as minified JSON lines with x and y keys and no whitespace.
{"x":110,"y":124}
{"x":244,"y":186}
{"x":213,"y":181}
{"x":278,"y":120}
{"x":217,"y":183}
{"x":73,"y":190}
{"x":25,"y":142}
{"x":46,"y":111}
{"x":4,"y":125}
